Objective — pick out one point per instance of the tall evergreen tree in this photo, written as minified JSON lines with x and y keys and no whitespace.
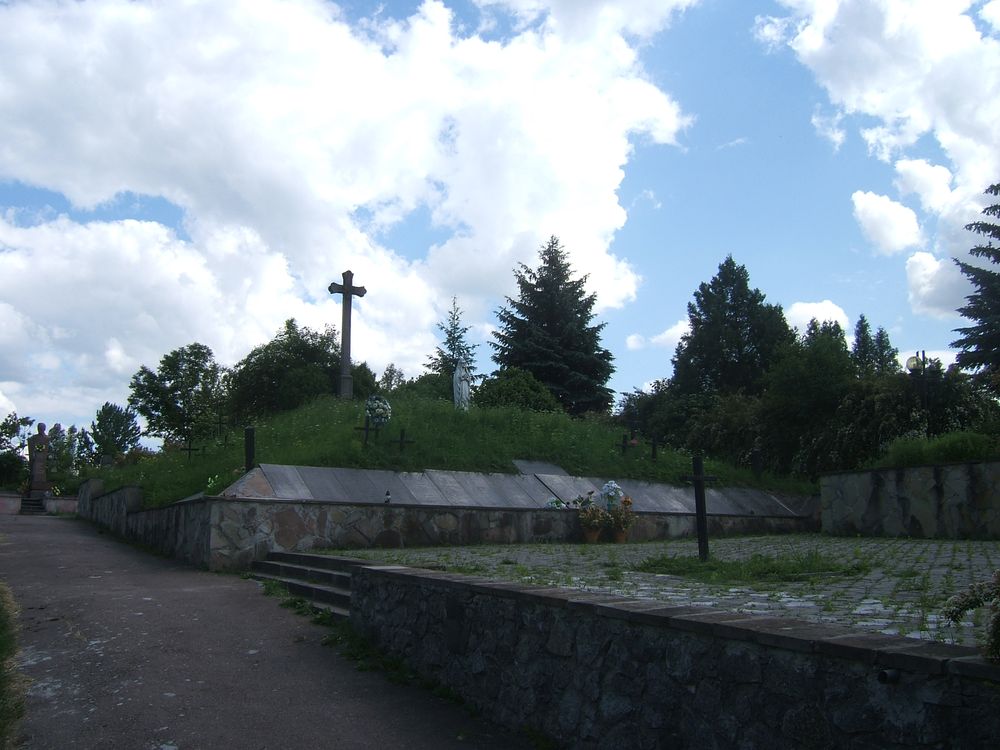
{"x":547,"y":331}
{"x":886,"y":359}
{"x":734,"y":336}
{"x":456,"y":348}
{"x":979,"y":343}
{"x":873,"y":356}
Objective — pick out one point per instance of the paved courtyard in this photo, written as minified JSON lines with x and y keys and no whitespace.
{"x":902,"y":593}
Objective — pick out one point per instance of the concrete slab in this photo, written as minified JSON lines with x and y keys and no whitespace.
{"x":539,"y":467}
{"x":286,"y":482}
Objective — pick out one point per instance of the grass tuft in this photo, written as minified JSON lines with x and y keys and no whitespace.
{"x":806,"y":566}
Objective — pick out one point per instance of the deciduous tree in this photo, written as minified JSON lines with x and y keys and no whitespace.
{"x":181,"y":399}
{"x":115,"y":430}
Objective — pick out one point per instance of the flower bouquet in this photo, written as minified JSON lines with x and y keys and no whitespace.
{"x":377,"y":410}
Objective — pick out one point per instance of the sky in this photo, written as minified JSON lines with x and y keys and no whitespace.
{"x":173,"y":172}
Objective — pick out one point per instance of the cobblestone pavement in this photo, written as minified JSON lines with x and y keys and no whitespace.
{"x":902,"y":593}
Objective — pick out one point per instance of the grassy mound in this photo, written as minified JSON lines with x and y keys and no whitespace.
{"x":325,"y":433}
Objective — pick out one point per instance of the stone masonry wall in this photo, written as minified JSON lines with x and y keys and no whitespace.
{"x":593,"y":671}
{"x":955,"y":501}
{"x":227,"y":534}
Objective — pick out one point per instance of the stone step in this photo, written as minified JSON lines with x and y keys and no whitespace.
{"x":334,"y":599}
{"x":326,"y":562}
{"x":340,"y":579}
{"x":32,"y":506}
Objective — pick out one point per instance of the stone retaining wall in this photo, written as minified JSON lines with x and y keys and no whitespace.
{"x":593,"y":671}
{"x":229,"y":534}
{"x":954,"y":501}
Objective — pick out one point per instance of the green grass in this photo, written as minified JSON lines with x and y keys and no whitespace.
{"x":11,"y":695}
{"x":798,"y":567}
{"x":325,"y":433}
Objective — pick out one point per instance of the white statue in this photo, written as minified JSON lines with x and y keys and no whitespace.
{"x":461,"y":381}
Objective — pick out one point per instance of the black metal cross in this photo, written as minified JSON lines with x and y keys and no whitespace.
{"x":367,"y":428}
{"x":190,"y":450}
{"x":701,"y":514}
{"x":349,"y":291}
{"x":402,"y":440}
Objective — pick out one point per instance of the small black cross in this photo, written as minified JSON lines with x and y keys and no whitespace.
{"x":402,"y":440}
{"x":190,"y":450}
{"x":367,"y":428}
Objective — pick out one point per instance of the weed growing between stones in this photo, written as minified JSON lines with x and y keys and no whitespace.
{"x":795,"y":567}
{"x":11,"y":686}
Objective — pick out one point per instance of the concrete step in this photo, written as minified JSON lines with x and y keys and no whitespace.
{"x":340,"y":579}
{"x":32,"y":506}
{"x":326,"y":562}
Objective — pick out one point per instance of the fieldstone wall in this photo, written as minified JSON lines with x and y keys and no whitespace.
{"x":229,"y":534}
{"x":595,"y":671}
{"x":182,"y":530}
{"x":954,"y":501}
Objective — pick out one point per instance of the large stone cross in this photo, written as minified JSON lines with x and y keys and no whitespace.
{"x":349,"y":291}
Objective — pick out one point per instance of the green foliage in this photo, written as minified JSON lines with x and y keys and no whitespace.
{"x":979,"y":344}
{"x":733,"y":338}
{"x":806,"y":566}
{"x":873,"y":356}
{"x":295,"y":367}
{"x":11,"y":692}
{"x":981,"y":594}
{"x":515,"y":388}
{"x":547,"y":331}
{"x":70,"y":450}
{"x":323,"y":433}
{"x":391,"y":379}
{"x":430,"y":385}
{"x":13,"y":438}
{"x":954,"y":447}
{"x":181,"y":400}
{"x":114,"y":430}
{"x":456,"y":347}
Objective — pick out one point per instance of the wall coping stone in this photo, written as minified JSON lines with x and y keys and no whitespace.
{"x":874,"y":649}
{"x":841,"y":472}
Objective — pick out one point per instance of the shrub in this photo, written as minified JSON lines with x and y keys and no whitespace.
{"x":952,"y":447}
{"x":517,"y":388}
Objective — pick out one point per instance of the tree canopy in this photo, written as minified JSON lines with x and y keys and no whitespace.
{"x":456,"y":346}
{"x":115,"y":430}
{"x":181,"y":400}
{"x":294,"y":367}
{"x":734,"y":336}
{"x":548,"y":332}
{"x":979,"y":343}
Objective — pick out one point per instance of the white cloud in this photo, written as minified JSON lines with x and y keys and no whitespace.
{"x":931,"y":183}
{"x":6,"y":405}
{"x":828,"y":126}
{"x":773,"y":32}
{"x":906,"y":72}
{"x":934,"y":285}
{"x":671,"y":337}
{"x":890,"y":226}
{"x":634,"y":342}
{"x":274,"y":126}
{"x":799,"y":314}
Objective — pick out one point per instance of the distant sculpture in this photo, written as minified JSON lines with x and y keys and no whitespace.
{"x":38,"y":454}
{"x":462,"y":380}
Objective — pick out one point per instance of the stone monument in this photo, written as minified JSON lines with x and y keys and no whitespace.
{"x":461,"y":382}
{"x":349,"y":291}
{"x":38,"y":454}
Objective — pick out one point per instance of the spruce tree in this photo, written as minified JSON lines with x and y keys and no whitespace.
{"x":980,"y":343}
{"x":873,"y":356}
{"x":445,"y":359}
{"x":548,"y":332}
{"x":734,"y":336}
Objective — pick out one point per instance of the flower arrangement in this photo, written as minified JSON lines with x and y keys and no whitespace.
{"x":377,"y":410}
{"x":593,"y":517}
{"x":612,"y":494}
{"x":621,"y":517}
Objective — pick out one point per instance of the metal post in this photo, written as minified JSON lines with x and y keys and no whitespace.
{"x":249,"y":448}
{"x":701,"y":515}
